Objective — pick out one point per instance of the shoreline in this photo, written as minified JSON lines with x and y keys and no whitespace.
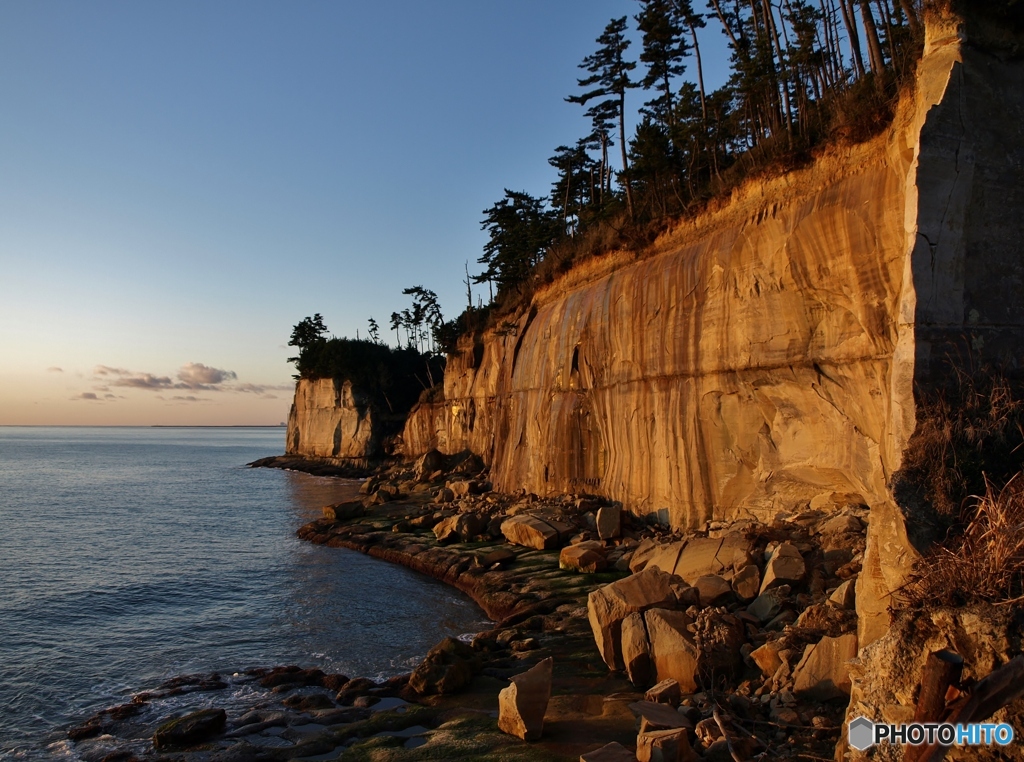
{"x":538,"y":609}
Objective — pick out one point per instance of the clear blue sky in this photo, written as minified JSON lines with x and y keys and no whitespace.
{"x":182,"y":182}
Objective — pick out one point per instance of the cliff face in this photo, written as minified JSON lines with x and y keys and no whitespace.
{"x":763,"y":356}
{"x":329,"y":419}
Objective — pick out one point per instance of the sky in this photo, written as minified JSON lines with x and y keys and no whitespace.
{"x":182,"y":182}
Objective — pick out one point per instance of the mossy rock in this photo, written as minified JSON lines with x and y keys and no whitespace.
{"x":189,"y":730}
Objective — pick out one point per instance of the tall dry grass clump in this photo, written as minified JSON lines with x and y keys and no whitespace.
{"x":984,"y":562}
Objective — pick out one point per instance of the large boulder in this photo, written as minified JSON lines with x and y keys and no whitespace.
{"x":521,"y":706}
{"x":636,"y":650}
{"x":532,"y":531}
{"x":785,"y":566}
{"x":824,"y":672}
{"x":664,"y":746}
{"x":448,"y":667}
{"x":189,"y":730}
{"x":673,"y":650}
{"x":428,"y":463}
{"x":609,"y":605}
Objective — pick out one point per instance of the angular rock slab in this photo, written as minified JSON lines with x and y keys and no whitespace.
{"x":699,"y":556}
{"x":521,"y":706}
{"x":581,"y":559}
{"x":824,"y":673}
{"x":768,"y":604}
{"x":672,"y":648}
{"x":654,"y":716}
{"x":609,"y":605}
{"x":665,"y":692}
{"x":712,"y":589}
{"x":785,"y":565}
{"x":636,"y":650}
{"x":534,"y":532}
{"x":747,"y":583}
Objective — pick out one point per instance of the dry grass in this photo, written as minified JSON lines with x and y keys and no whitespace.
{"x":983,"y":563}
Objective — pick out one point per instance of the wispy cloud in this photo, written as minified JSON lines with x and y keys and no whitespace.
{"x":54,"y":369}
{"x":87,"y":396}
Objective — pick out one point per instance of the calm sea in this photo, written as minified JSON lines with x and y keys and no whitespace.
{"x":130,"y":555}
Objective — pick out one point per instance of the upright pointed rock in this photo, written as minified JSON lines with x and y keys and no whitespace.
{"x":521,"y":706}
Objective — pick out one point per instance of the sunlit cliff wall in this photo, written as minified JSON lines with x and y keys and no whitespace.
{"x":765,"y":354}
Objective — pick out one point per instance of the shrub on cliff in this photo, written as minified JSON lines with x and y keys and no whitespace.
{"x":393,"y":378}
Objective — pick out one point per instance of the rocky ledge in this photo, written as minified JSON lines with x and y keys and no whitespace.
{"x":615,"y":639}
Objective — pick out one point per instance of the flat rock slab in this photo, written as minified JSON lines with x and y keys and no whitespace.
{"x":656,"y":716}
{"x":581,"y":559}
{"x":521,"y":706}
{"x":699,"y":556}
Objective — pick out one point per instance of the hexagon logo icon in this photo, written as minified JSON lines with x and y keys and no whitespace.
{"x":861,"y":733}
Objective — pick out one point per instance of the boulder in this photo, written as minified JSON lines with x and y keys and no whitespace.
{"x":444,"y":495}
{"x":636,"y":650}
{"x":664,"y":746}
{"x":341,"y":511}
{"x":532,"y":531}
{"x":712,"y":589}
{"x":768,"y":604}
{"x":842,"y":523}
{"x":464,"y":488}
{"x":747,"y":583}
{"x":673,"y":650}
{"x":609,"y":605}
{"x":844,"y":596}
{"x":824,"y":673}
{"x":767,"y":658}
{"x":699,"y":556}
{"x":521,"y":706}
{"x":460,"y":527}
{"x":581,"y":559}
{"x":427,"y":464}
{"x":785,"y":566}
{"x":665,"y":692}
{"x":189,"y":730}
{"x":612,"y":752}
{"x":642,"y":555}
{"x":609,"y":522}
{"x":447,"y":668}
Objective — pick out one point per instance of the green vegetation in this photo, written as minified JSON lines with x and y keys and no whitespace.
{"x":393,"y":378}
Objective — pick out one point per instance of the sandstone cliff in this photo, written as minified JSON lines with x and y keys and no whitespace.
{"x":330,"y":419}
{"x":764,"y":355}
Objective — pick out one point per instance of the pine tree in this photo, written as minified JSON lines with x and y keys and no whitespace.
{"x":609,"y":79}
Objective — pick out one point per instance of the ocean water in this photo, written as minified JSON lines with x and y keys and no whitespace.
{"x":131,"y":555}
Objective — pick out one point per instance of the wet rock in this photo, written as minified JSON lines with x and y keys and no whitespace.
{"x":309,"y":702}
{"x":581,"y":559}
{"x":447,"y":668}
{"x":747,"y":582}
{"x":824,"y":673}
{"x":189,"y":730}
{"x":672,"y":647}
{"x":609,"y":605}
{"x":343,"y":511}
{"x":636,"y":650}
{"x":665,"y":692}
{"x":609,"y":522}
{"x":612,"y":752}
{"x":786,"y":565}
{"x":768,"y":604}
{"x":353,"y":689}
{"x":534,"y":532}
{"x":521,"y":706}
{"x":664,"y":746}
